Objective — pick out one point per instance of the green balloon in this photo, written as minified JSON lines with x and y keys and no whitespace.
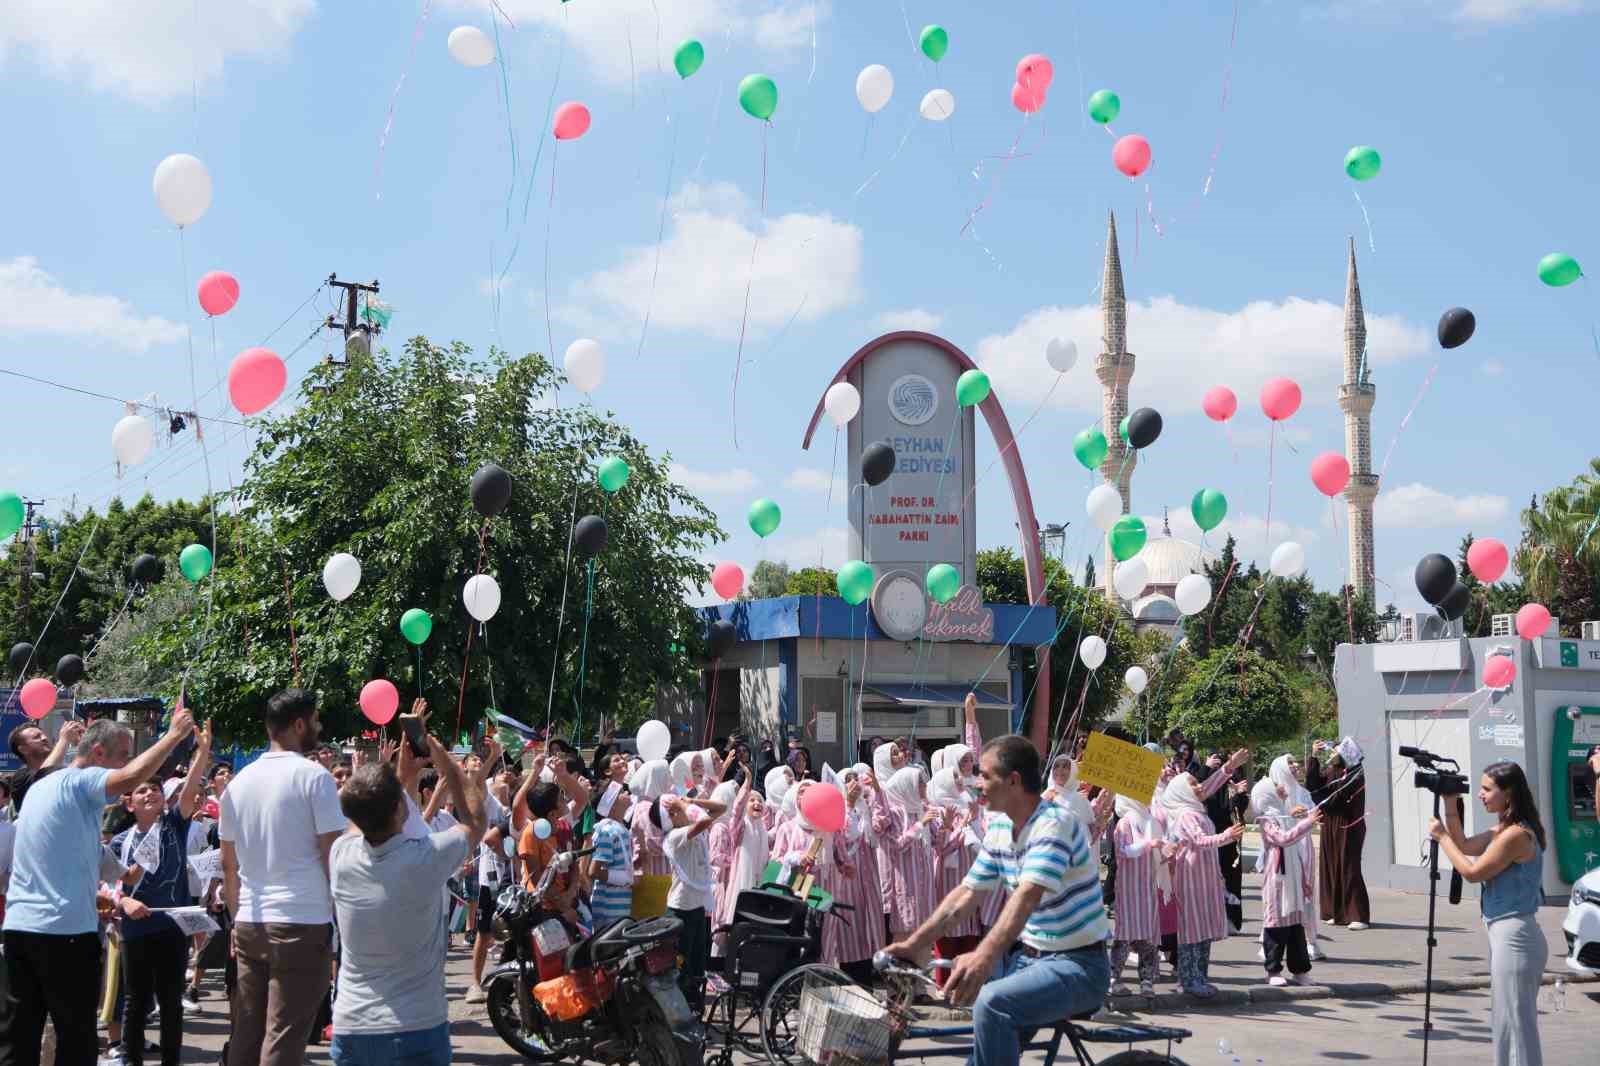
{"x":195,"y":561}
{"x":764,"y":517}
{"x":935,"y":42}
{"x":972,"y":388}
{"x":1127,"y":537}
{"x":1556,"y":269}
{"x":1091,"y":447}
{"x":11,"y":514}
{"x":613,"y":473}
{"x":758,"y":96}
{"x":1122,"y":428}
{"x":688,"y":57}
{"x":415,"y":625}
{"x":855,"y":582}
{"x":1104,"y":106}
{"x":1362,"y":162}
{"x":1209,"y":508}
{"x":944,"y":581}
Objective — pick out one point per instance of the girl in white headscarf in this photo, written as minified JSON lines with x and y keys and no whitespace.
{"x":1064,"y":785}
{"x":956,"y":851}
{"x":738,"y":850}
{"x":649,"y":782}
{"x":886,"y":759}
{"x":1285,"y":817}
{"x":705,"y":771}
{"x":915,"y":831}
{"x":855,"y":941}
{"x":1197,"y":881}
{"x":779,"y":780}
{"x":1143,"y":877}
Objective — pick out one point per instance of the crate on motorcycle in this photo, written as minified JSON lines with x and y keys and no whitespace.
{"x":573,"y":995}
{"x":842,"y":1023}
{"x":550,"y":943}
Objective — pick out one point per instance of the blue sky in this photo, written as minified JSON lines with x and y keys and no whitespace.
{"x":1482,"y":109}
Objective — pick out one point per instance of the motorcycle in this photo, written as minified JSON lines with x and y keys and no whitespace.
{"x":611,"y":997}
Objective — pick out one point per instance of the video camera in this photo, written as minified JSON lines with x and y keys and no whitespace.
{"x":1431,"y":777}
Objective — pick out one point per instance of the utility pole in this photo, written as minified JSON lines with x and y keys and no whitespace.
{"x":25,"y":557}
{"x":351,"y":327}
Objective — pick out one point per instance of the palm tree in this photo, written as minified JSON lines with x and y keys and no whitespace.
{"x":1559,"y":554}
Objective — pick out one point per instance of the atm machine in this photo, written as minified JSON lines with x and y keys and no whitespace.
{"x":1572,"y":790}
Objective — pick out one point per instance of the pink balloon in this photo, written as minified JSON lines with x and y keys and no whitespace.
{"x":379,"y":700}
{"x":38,"y":696}
{"x":1131,"y":155}
{"x":572,"y":121}
{"x":1330,"y":473}
{"x":823,"y":806}
{"x":1280,"y":398}
{"x":1487,"y":559}
{"x":1025,"y":99}
{"x":256,"y":380}
{"x":219,"y":291}
{"x":1220,"y":403}
{"x":1533,"y":620}
{"x":1035,"y":72}
{"x":727,"y":579}
{"x":1499,"y":671}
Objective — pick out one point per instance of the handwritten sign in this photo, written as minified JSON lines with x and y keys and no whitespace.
{"x":207,"y":865}
{"x":1123,"y":768}
{"x":191,"y":920}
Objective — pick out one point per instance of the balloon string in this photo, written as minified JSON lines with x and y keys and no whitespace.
{"x":904,"y":137}
{"x":294,"y":648}
{"x":561,"y":614}
{"x":550,"y":210}
{"x":1402,"y":427}
{"x":1371,"y":243}
{"x":549,"y":109}
{"x":588,"y":613}
{"x":394,"y":98}
{"x":833,"y":465}
{"x":1150,"y":206}
{"x":16,"y":686}
{"x":1005,"y":162}
{"x":466,"y":658}
{"x":661,"y":234}
{"x":744,"y":320}
{"x":505,"y":87}
{"x":1012,"y":443}
{"x":1272,"y":447}
{"x":205,"y":449}
{"x":938,"y":495}
{"x":1222,"y":110}
{"x":1594,"y":333}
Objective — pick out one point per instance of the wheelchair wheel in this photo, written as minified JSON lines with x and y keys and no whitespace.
{"x":780,"y":1014}
{"x":733,"y":1021}
{"x":1139,"y":1057}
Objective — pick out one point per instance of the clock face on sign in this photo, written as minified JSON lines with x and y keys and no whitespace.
{"x":899,"y":605}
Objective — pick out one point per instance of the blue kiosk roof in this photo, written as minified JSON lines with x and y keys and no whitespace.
{"x":783,"y":617}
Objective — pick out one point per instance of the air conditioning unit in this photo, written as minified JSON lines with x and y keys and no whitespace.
{"x":1504,"y":625}
{"x":1427,"y":625}
{"x":1591,"y":631}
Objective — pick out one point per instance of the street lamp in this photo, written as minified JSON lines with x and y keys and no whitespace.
{"x":1055,"y":538}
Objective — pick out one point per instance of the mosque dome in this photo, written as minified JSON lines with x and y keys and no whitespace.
{"x":1156,"y":609}
{"x":1170,"y":560}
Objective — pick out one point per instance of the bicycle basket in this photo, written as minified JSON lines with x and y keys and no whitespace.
{"x":841,"y":1025}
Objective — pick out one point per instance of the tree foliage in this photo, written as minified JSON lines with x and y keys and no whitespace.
{"x":1235,"y":696}
{"x":812,"y":581}
{"x":767,"y":579}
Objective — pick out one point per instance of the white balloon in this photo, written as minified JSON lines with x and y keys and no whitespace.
{"x":1130,"y":578}
{"x":1288,"y":559}
{"x":586,"y":364}
{"x":183,"y":189}
{"x":874,"y":86}
{"x":1092,"y":651}
{"x":131,"y":439}
{"x":653,"y":741}
{"x":341,"y":574}
{"x":470,"y":46}
{"x":1192,"y":594}
{"x":1136,"y":679}
{"x":1062,"y":355}
{"x":842,"y":402}
{"x":481,"y":596}
{"x":1104,"y":506}
{"x":938,"y":105}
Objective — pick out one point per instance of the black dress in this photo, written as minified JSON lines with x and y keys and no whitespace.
{"x":1342,"y":889}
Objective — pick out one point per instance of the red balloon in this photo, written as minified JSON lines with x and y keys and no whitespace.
{"x":1280,"y":398}
{"x":1533,"y":621}
{"x":1330,"y":473}
{"x":1131,"y":155}
{"x":1487,"y":559}
{"x":1026,"y":99}
{"x":218,"y":291}
{"x":1035,"y":72}
{"x":379,"y":700}
{"x":727,"y":579}
{"x":822,"y":805}
{"x":1499,"y":671}
{"x":571,"y":122}
{"x":1220,"y":403}
{"x":256,"y":380}
{"x":38,"y":696}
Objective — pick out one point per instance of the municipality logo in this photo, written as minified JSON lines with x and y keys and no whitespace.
{"x":913,"y":399}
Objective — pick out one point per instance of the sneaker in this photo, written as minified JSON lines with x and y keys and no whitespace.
{"x":1277,"y":980}
{"x":1356,"y":927}
{"x":1120,"y":989}
{"x":477,"y":994}
{"x":191,"y":999}
{"x":1315,"y":954}
{"x":1299,"y":979}
{"x":1147,"y":988}
{"x":112,"y":1056}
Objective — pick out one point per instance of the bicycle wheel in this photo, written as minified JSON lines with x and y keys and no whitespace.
{"x":780,"y":1014}
{"x":1141,"y":1057}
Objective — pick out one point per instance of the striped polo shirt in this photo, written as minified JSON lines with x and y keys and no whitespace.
{"x":613,"y":845}
{"x":1052,"y":852}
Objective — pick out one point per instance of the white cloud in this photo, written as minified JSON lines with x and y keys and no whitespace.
{"x":1482,"y":12}
{"x":917,"y":318}
{"x":712,"y":482}
{"x":1493,"y":367}
{"x":152,"y":51}
{"x":33,"y":302}
{"x":1254,"y":541}
{"x":1183,"y":351}
{"x":807,"y":266}
{"x":828,"y":547}
{"x":809,"y":479}
{"x":1417,"y":506}
{"x":1498,"y":11}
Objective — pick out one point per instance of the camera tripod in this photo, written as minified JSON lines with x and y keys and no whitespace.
{"x":1433,"y":901}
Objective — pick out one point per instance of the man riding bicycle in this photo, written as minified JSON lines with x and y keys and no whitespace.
{"x":1045,"y":958}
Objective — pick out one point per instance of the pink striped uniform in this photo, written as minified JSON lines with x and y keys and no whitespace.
{"x":1197,"y":879}
{"x":1138,"y":910}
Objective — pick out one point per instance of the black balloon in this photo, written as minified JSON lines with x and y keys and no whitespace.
{"x":590,"y":535}
{"x":1436,"y":576}
{"x":20,"y":654}
{"x":146,"y":569}
{"x":1454,"y":605}
{"x":1455,"y":327}
{"x":721,"y":639}
{"x":491,"y":490}
{"x":69,"y":671}
{"x":877,"y":463}
{"x":1144,"y":426}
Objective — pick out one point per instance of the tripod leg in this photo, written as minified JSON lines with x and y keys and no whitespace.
{"x":1433,"y":902}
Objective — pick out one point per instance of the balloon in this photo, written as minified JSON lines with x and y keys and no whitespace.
{"x":1455,"y":327}
{"x":842,"y":402}
{"x":1280,"y":398}
{"x":38,"y":697}
{"x":855,"y":582}
{"x":1219,"y":403}
{"x":1091,"y":447}
{"x":195,"y":562}
{"x":764,"y":517}
{"x":972,"y":388}
{"x":1092,"y":651}
{"x":183,"y":189}
{"x":758,"y":96}
{"x":416,"y":625}
{"x":1499,"y":671}
{"x":1436,"y":576}
{"x":874,"y":87}
{"x":256,"y":380}
{"x":341,"y":575}
{"x":721,"y":639}
{"x":590,"y":535}
{"x":688,"y":57}
{"x":1122,"y":428}
{"x":1144,"y":426}
{"x":1104,"y":106}
{"x":1192,"y":594}
{"x":481,"y":596}
{"x":541,"y":828}
{"x":1035,"y":71}
{"x":491,"y":490}
{"x":1558,"y":269}
{"x":1027,"y":99}
{"x":1062,"y":355}
{"x":1130,"y":578}
{"x":1288,"y":560}
{"x":13,"y":513}
{"x":653,"y":741}
{"x":937,"y":105}
{"x":1454,"y":605}
{"x":1131,"y":155}
{"x":613,"y":473}
{"x":1209,"y":508}
{"x":571,"y":121}
{"x":1330,"y":473}
{"x":69,"y":670}
{"x":943,"y":581}
{"x":379,"y":700}
{"x":585,"y":363}
{"x":470,"y":46}
{"x":1362,"y":162}
{"x":822,"y":804}
{"x":1104,"y":506}
{"x":21,"y":655}
{"x":131,"y":439}
{"x":1136,"y":679}
{"x":1487,"y":559}
{"x":728,"y":579}
{"x":1533,"y":619}
{"x":1127,"y":537}
{"x":934,"y":42}
{"x":218,"y":292}
{"x":877,"y":463}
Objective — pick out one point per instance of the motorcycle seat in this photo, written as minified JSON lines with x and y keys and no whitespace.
{"x":601,"y":945}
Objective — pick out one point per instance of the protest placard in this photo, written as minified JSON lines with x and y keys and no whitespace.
{"x":1123,"y":768}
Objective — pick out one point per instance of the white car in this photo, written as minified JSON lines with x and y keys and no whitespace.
{"x":1583,"y":925}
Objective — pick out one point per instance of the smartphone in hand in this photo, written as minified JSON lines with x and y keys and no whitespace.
{"x":412,"y":727}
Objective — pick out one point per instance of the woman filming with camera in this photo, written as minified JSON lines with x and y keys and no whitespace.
{"x":1506,"y":860}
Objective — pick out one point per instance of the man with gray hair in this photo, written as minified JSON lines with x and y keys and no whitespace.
{"x":51,"y":938}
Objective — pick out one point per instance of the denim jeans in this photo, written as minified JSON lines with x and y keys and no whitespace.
{"x":1027,"y":993}
{"x":419,"y":1047}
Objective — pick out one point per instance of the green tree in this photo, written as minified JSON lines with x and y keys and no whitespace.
{"x":1236,"y":696}
{"x":1559,"y":556}
{"x":1333,"y":620}
{"x":768,"y":578}
{"x":119,"y":665}
{"x":812,"y":581}
{"x":1502,"y":597}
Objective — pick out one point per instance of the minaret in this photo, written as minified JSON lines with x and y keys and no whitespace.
{"x":1356,"y":397}
{"x":1114,"y":368}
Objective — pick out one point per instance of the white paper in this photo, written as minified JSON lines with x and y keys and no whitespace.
{"x":147,"y":856}
{"x":190,"y":920}
{"x":207,"y":865}
{"x":827,"y":727}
